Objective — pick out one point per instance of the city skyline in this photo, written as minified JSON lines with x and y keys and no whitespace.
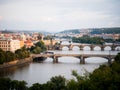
{"x":58,"y":15}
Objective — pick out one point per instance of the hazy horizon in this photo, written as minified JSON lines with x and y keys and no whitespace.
{"x":58,"y":15}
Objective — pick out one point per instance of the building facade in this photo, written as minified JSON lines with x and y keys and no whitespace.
{"x":9,"y":45}
{"x":5,"y":45}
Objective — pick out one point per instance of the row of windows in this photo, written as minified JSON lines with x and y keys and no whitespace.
{"x":4,"y":45}
{"x":3,"y":42}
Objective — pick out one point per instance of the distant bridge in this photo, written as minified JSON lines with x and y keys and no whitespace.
{"x":91,"y":46}
{"x":80,"y":56}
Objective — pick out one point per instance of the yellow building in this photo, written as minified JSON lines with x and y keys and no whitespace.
{"x":49,"y":42}
{"x":21,"y":43}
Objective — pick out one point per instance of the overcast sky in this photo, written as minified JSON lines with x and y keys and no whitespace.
{"x":58,"y":15}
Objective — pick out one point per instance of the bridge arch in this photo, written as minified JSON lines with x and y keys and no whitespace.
{"x":86,"y":48}
{"x":109,"y":59}
{"x":65,"y":48}
{"x":97,"y":48}
{"x":107,"y":48}
{"x":68,"y":59}
{"x":96,"y":60}
{"x":75,"y":48}
{"x":117,"y":48}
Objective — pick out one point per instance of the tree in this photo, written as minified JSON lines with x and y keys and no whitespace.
{"x":22,"y":53}
{"x":18,"y":85}
{"x":36,"y":50}
{"x":5,"y":83}
{"x":72,"y":85}
{"x":10,"y":56}
{"x":2,"y":57}
{"x":117,"y":58}
{"x":39,"y":47}
{"x":57,"y":83}
{"x":36,"y":86}
{"x":89,"y":40}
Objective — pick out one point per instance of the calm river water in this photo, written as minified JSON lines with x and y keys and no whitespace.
{"x":42,"y":72}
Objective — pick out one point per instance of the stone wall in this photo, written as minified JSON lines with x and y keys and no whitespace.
{"x":16,"y":62}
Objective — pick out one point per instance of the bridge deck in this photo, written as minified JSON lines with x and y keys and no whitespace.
{"x":73,"y":55}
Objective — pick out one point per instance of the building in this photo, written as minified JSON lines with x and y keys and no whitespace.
{"x":14,"y":45}
{"x":5,"y":45}
{"x":108,"y":36}
{"x":21,"y":43}
{"x":9,"y":45}
{"x":28,"y":43}
{"x":116,"y":36}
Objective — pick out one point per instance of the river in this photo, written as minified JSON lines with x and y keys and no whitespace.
{"x":42,"y":72}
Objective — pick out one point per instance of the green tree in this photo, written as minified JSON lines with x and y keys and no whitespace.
{"x":18,"y":85}
{"x":57,"y":83}
{"x":117,"y":58}
{"x":89,"y":40}
{"x":39,"y":47}
{"x":2,"y":57}
{"x":22,"y":53}
{"x":37,"y":86}
{"x":4,"y":83}
{"x":10,"y":56}
{"x":72,"y":85}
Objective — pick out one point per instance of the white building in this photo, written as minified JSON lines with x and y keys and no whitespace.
{"x":9,"y":45}
{"x":14,"y":45}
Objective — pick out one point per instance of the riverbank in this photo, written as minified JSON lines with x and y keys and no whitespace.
{"x":16,"y":63}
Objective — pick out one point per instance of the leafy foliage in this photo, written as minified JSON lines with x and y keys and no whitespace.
{"x":8,"y":84}
{"x":88,"y":40}
{"x":22,"y":53}
{"x":39,"y":47}
{"x":56,"y":83}
{"x":105,"y":30}
{"x":10,"y":56}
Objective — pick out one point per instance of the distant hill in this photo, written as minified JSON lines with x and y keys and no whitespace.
{"x":25,"y":31}
{"x":6,"y":31}
{"x":115,"y":30}
{"x":106,"y":31}
{"x":75,"y":31}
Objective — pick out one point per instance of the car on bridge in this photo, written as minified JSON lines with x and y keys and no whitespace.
{"x":47,"y":52}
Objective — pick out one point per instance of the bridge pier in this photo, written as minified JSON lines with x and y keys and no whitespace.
{"x":91,"y":47}
{"x":70,"y":47}
{"x":81,"y":47}
{"x":109,"y":61}
{"x":82,"y":60}
{"x":102,"y":48}
{"x":113,"y":48}
{"x":55,"y":59}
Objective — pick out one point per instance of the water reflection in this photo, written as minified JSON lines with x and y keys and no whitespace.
{"x":11,"y":70}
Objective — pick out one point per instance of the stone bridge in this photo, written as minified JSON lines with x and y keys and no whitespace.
{"x":79,"y":56}
{"x":91,"y":46}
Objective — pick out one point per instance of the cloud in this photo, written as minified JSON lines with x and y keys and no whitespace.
{"x":0,"y":17}
{"x":59,"y":14}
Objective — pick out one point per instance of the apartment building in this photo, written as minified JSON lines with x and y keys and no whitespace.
{"x":14,"y":45}
{"x":9,"y":45}
{"x":5,"y":44}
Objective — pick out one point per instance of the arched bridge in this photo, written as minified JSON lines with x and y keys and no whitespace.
{"x":91,"y":46}
{"x":80,"y":56}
